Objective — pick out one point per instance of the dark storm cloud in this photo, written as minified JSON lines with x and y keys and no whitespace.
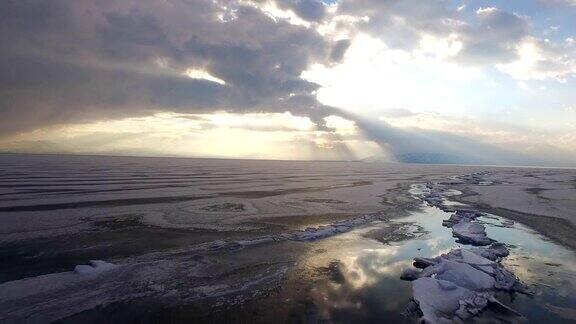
{"x":429,"y":146}
{"x":69,"y":61}
{"x":495,"y":37}
{"x":311,"y":10}
{"x":339,"y":50}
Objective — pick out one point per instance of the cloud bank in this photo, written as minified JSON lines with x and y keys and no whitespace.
{"x":74,"y":62}
{"x":69,"y":61}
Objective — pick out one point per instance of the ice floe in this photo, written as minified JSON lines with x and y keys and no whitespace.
{"x":466,"y":229}
{"x":461,"y":216}
{"x":308,"y":234}
{"x":314,"y":233}
{"x":471,"y":233}
{"x":441,"y":301}
{"x":95,"y":268}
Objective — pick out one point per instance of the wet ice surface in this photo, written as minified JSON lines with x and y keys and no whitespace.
{"x":364,"y":285}
{"x":354,"y":278}
{"x":461,"y":284}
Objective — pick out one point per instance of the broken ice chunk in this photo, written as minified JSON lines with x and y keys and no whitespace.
{"x":424,"y":262}
{"x":467,"y":269}
{"x":461,"y":215}
{"x":438,"y":300}
{"x":256,"y":241}
{"x":493,"y":252}
{"x":410,"y":274}
{"x":95,"y":268}
{"x":471,"y":233}
{"x":461,"y":274}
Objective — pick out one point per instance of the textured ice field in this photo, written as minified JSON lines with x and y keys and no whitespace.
{"x":209,"y":232}
{"x":44,"y":196}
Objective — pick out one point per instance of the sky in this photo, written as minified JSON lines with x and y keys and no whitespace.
{"x":471,"y":82}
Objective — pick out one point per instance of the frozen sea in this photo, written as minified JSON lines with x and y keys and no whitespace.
{"x":196,"y":240}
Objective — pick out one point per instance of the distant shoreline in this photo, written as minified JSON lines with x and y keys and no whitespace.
{"x":281,"y":160}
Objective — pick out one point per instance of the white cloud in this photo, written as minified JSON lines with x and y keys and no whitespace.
{"x":540,"y":60}
{"x":523,"y":85}
{"x":486,"y":10}
{"x":373,"y":76}
{"x":203,"y":75}
{"x":341,"y":125}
